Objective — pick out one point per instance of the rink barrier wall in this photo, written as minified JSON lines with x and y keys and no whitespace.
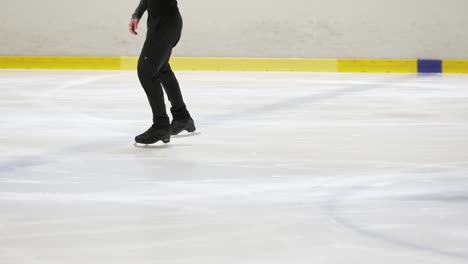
{"x":377,"y":66}
{"x":62,"y":62}
{"x":243,"y":64}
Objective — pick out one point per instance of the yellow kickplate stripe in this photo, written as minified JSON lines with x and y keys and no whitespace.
{"x":255,"y":64}
{"x":377,"y":66}
{"x":455,"y":66}
{"x":128,"y":63}
{"x":179,"y":63}
{"x":63,"y":62}
{"x":229,"y":64}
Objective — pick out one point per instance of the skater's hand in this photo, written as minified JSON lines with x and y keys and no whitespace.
{"x":133,"y":26}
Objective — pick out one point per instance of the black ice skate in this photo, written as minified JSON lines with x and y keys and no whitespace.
{"x":182,"y":121}
{"x":179,"y":125}
{"x":154,"y":134}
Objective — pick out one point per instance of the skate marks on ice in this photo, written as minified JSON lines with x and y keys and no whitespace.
{"x":21,"y":163}
{"x":343,"y":204}
{"x":309,"y":99}
{"x":41,"y":100}
{"x":26,"y":162}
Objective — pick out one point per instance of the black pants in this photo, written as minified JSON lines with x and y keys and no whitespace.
{"x":154,"y":71}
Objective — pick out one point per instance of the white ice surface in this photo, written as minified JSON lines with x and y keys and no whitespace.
{"x":286,"y":168}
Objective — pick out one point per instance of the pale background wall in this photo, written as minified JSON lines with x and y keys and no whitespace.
{"x":246,"y":28}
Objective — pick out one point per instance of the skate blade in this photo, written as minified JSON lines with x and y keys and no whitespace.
{"x":186,"y":135}
{"x":153,"y":145}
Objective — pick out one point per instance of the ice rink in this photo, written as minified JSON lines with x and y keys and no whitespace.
{"x":285,"y":168}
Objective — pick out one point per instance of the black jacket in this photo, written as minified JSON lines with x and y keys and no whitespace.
{"x":155,"y":8}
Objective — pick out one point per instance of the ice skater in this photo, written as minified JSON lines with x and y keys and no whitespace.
{"x":155,"y":73}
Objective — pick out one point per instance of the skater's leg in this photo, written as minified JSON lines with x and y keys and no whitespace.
{"x":181,"y":117}
{"x":156,"y":74}
{"x":150,"y":62}
{"x":172,"y":88}
{"x":154,"y":55}
{"x":163,"y":34}
{"x":173,"y":26}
